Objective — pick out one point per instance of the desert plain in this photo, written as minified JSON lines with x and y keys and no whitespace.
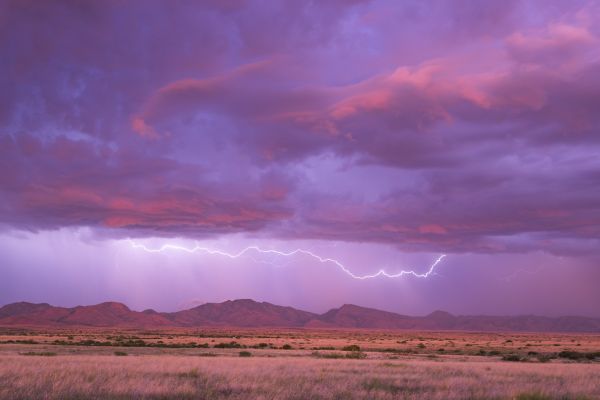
{"x":262,"y":363}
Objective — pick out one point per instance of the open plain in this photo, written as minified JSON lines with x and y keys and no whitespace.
{"x":220,"y":363}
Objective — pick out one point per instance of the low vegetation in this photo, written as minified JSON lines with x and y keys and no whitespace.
{"x":279,"y":364}
{"x":165,"y":376}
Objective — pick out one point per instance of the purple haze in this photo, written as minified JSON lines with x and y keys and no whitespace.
{"x":379,"y":133}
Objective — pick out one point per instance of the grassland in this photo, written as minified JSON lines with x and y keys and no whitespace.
{"x":296,"y":364}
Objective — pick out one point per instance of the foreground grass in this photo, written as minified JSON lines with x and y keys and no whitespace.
{"x":170,"y":376}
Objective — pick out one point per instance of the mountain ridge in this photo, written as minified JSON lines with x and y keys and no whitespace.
{"x":248,"y":313}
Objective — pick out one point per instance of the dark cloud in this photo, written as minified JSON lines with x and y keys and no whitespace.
{"x":474,"y":127}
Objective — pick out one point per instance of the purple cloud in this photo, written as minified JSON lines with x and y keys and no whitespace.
{"x":431,"y":127}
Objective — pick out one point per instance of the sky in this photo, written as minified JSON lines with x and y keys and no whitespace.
{"x":145,"y":145}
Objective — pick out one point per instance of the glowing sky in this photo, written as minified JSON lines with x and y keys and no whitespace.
{"x":382,"y":134}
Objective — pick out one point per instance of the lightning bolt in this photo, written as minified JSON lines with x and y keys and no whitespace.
{"x":324,"y":260}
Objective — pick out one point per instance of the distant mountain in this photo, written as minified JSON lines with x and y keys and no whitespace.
{"x":351,"y":316}
{"x":249,"y":313}
{"x":245,"y":313}
{"x":108,"y":314}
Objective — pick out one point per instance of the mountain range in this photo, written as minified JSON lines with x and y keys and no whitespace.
{"x":252,"y":314}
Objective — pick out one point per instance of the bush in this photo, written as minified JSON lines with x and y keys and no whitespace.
{"x":544,"y":357}
{"x":286,"y":347}
{"x":571,"y":355}
{"x":352,"y":347}
{"x":576,"y":355}
{"x":230,"y":345}
{"x":592,"y":356}
{"x":245,"y":354}
{"x":324,"y":348}
{"x":358,"y":355}
{"x":512,"y":357}
{"x":120,"y":353}
{"x":326,"y":355}
{"x":41,"y":354}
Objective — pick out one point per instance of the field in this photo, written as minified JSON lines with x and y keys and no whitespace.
{"x":296,"y":364}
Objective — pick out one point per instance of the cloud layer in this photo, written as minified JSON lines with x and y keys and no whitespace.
{"x":461,"y":127}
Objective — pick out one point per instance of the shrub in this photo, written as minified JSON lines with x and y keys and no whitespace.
{"x":41,"y":354}
{"x":544,"y":357}
{"x":326,"y":355}
{"x":352,"y":347}
{"x":591,"y":356}
{"x":512,"y":357}
{"x":230,"y":345}
{"x":358,"y":355}
{"x":286,"y":347}
{"x":571,"y":355}
{"x":120,"y":353}
{"x":576,"y":355}
{"x":324,"y":348}
{"x":245,"y":354}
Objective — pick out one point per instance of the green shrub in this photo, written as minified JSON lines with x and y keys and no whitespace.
{"x":352,"y":347}
{"x":245,"y":354}
{"x":286,"y":347}
{"x":120,"y":353}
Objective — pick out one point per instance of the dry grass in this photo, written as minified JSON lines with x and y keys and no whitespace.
{"x":184,"y":377}
{"x":274,"y":372}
